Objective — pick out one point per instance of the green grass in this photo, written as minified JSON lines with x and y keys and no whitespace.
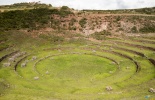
{"x":69,"y":64}
{"x":75,"y":71}
{"x":136,"y":43}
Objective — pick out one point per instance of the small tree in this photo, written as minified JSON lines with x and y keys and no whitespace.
{"x":134,"y":29}
{"x":82,"y":22}
{"x":64,"y":8}
{"x":73,"y":20}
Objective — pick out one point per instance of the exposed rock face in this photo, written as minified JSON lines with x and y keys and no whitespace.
{"x":114,"y":23}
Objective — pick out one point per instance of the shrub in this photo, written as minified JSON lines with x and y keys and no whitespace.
{"x":64,"y":8}
{"x":73,"y":20}
{"x":82,"y":22}
{"x":72,"y":28}
{"x":134,"y":29}
{"x":118,"y":18}
{"x":32,"y":19}
{"x":147,"y":29}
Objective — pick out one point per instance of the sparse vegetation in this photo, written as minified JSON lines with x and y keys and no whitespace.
{"x":147,"y":29}
{"x":126,"y":11}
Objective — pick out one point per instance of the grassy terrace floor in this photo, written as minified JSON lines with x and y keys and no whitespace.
{"x":73,"y":71}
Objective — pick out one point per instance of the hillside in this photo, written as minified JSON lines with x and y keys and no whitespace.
{"x":126,"y":11}
{"x":84,"y":22}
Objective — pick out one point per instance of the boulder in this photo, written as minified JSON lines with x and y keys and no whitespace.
{"x":17,"y":55}
{"x":59,"y":50}
{"x":109,"y":88}
{"x":113,"y":63}
{"x":110,"y":72}
{"x":47,"y":72}
{"x":127,"y":67}
{"x":94,"y":51}
{"x":26,"y":61}
{"x":36,"y":78}
{"x":152,"y":90}
{"x":23,"y":64}
{"x":11,"y":60}
{"x":34,"y":58}
{"x":7,"y":64}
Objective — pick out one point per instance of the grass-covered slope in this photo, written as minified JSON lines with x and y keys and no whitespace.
{"x":38,"y":68}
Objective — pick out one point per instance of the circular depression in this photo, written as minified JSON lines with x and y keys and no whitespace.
{"x":76,"y":70}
